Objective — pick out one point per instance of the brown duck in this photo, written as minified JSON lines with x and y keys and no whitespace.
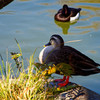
{"x":67,"y":14}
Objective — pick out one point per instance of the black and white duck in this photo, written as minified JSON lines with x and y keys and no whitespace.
{"x":56,"y":52}
{"x":67,"y":14}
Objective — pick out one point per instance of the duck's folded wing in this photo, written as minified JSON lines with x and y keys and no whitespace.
{"x":74,"y":11}
{"x":82,"y":64}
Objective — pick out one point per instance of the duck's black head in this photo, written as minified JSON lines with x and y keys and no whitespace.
{"x":65,"y":6}
{"x":65,"y":10}
{"x":56,"y":41}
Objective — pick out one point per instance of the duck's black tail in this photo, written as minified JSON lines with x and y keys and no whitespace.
{"x":93,"y":70}
{"x":90,"y":72}
{"x":87,"y":69}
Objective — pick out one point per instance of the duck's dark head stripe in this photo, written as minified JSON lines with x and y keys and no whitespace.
{"x":57,"y":36}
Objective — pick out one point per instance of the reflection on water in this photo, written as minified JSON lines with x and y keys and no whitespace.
{"x":46,"y":4}
{"x":76,"y":1}
{"x":64,"y":25}
{"x":6,"y":12}
{"x":92,"y":51}
{"x":94,"y":25}
{"x":24,"y":0}
{"x":94,"y":12}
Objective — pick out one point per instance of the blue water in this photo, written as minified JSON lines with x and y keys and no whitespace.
{"x":32,"y":23}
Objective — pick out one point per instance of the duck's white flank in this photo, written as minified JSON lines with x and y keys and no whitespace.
{"x":75,"y":17}
{"x":45,"y":51}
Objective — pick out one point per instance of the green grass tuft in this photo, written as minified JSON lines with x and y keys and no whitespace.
{"x":31,"y":83}
{"x":26,"y":86}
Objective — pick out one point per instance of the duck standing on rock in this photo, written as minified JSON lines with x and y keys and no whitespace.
{"x":55,"y":52}
{"x":67,"y":14}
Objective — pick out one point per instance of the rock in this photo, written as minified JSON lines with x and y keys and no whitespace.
{"x":4,"y":3}
{"x":78,"y":93}
{"x":75,"y":92}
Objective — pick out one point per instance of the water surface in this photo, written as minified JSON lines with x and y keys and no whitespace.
{"x":32,"y":23}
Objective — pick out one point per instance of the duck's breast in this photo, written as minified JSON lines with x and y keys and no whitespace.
{"x":44,"y":53}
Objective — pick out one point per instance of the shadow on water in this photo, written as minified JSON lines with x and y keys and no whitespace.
{"x":64,"y":25}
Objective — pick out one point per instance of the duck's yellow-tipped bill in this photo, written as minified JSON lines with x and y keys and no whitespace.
{"x":44,"y":45}
{"x":47,"y":44}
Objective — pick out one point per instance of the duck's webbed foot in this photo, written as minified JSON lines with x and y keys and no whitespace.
{"x":64,"y":83}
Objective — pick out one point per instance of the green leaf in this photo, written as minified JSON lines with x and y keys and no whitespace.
{"x":64,"y":68}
